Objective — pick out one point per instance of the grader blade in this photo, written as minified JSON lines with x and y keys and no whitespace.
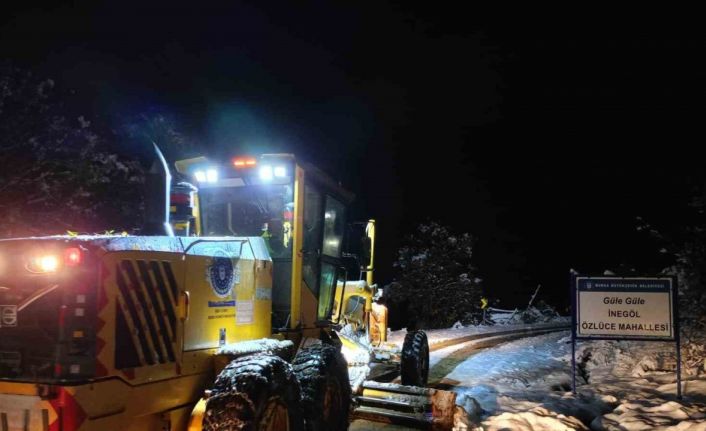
{"x":410,"y":406}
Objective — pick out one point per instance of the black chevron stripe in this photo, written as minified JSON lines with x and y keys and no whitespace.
{"x":152,"y":291}
{"x":152,"y":356}
{"x":131,"y":309}
{"x":169,"y":301}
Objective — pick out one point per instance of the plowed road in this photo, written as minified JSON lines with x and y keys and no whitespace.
{"x":446,"y":355}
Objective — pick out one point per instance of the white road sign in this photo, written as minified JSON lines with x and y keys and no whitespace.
{"x":625,"y":308}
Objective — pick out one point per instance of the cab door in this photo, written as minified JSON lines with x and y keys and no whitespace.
{"x":324,"y":223}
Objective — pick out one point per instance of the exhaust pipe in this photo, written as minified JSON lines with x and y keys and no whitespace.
{"x":157,"y":186}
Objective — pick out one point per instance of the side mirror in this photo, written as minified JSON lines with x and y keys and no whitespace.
{"x":361,"y":246}
{"x":366,"y":252}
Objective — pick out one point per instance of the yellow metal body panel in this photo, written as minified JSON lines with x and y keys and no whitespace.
{"x":370,"y":232}
{"x":374,"y":316}
{"x":196,"y":419}
{"x":297,"y":245}
{"x":109,"y":405}
{"x":209,"y":314}
{"x":242,"y":312}
{"x":309,"y":307}
{"x":169,"y":302}
{"x":197,"y":214}
{"x":114,"y":405}
{"x":343,"y":296}
{"x":22,"y":410}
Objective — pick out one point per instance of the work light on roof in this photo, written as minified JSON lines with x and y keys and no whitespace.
{"x":280,"y":171}
{"x":244,"y":162}
{"x":266,"y":173}
{"x":200,"y":176}
{"x":209,"y":175}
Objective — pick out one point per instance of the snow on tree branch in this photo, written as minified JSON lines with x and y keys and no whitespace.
{"x":436,"y":279}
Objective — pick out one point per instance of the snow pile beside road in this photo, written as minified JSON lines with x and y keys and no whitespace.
{"x":642,"y":375}
{"x":649,"y":415}
{"x":537,"y":419}
{"x":622,"y":385}
{"x":541,"y":313}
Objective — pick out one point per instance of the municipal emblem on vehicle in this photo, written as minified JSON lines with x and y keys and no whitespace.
{"x":221,"y":274}
{"x":8,"y":315}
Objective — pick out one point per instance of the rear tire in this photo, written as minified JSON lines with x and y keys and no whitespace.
{"x":255,"y":393}
{"x":326,"y":392}
{"x":414,"y":367}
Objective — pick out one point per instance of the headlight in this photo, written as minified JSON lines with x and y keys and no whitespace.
{"x":209,"y":175}
{"x":43,"y":264}
{"x":47,"y":263}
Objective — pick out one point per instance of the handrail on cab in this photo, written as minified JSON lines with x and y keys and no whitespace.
{"x":205,"y":240}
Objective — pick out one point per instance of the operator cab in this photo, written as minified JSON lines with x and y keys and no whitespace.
{"x":291,"y":205}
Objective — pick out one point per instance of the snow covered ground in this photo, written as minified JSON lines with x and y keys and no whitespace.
{"x":440,"y":336}
{"x":525,"y":385}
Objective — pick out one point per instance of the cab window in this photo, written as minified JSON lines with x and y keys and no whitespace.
{"x":329,"y":279}
{"x":313,"y":203}
{"x":333,"y":227}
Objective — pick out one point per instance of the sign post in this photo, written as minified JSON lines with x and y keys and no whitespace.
{"x":624,"y":308}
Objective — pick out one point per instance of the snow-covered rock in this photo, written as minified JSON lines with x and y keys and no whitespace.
{"x":652,"y":415}
{"x":537,"y":419}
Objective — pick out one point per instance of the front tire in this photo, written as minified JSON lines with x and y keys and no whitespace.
{"x":326,"y":392}
{"x":414,"y":367}
{"x":255,"y":393}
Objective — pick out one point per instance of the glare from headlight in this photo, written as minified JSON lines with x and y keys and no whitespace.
{"x":211,"y":175}
{"x":200,"y":176}
{"x":48,"y":263}
{"x":266,"y":173}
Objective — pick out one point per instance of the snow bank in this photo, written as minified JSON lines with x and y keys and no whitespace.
{"x":537,"y":419}
{"x":622,"y":385}
{"x":648,"y":415}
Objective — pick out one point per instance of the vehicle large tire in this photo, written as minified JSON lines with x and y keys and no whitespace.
{"x":414,"y":367}
{"x":326,"y":392}
{"x":255,"y":393}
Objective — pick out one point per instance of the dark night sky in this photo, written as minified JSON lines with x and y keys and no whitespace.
{"x":545,"y":141}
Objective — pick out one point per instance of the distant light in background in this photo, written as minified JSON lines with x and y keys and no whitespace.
{"x":211,"y":175}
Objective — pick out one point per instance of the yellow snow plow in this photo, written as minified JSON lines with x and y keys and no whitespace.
{"x":246,"y":319}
